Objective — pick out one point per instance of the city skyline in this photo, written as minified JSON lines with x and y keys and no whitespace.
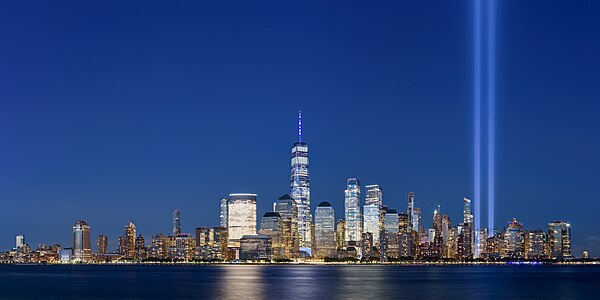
{"x":371,"y":229}
{"x":128,"y":121}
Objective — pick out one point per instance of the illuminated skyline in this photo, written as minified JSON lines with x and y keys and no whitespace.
{"x":173,"y":107}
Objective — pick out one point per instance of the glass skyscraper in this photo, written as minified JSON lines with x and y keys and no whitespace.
{"x":353,"y":213}
{"x":372,"y":212}
{"x":176,"y":223}
{"x":82,"y":246}
{"x":223,"y":212}
{"x":559,"y":236}
{"x":300,"y":186}
{"x":241,"y":217}
{"x":325,"y":230}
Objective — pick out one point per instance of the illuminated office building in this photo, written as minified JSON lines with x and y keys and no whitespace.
{"x":102,"y":245}
{"x":127,"y":241}
{"x":271,"y":225}
{"x":514,"y":243}
{"x":158,"y":248}
{"x":82,"y":246}
{"x":20,"y":241}
{"x":392,"y":229}
{"x":403,"y":222}
{"x":223,"y":212}
{"x":300,"y":187}
{"x":176,"y":223}
{"x":286,"y":207}
{"x":372,"y":212}
{"x":340,"y":234}
{"x":535,"y":244}
{"x":559,"y":239}
{"x":410,"y":211}
{"x":204,"y":236}
{"x":464,"y":241}
{"x":325,"y":245}
{"x":141,"y":252}
{"x":255,"y":247}
{"x":353,"y":213}
{"x":241,"y":217}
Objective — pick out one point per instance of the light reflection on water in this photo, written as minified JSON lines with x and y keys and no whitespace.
{"x":240,"y":282}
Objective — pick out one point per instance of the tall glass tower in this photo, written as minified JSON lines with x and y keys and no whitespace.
{"x":82,"y":246}
{"x":352,"y":212}
{"x":300,"y":187}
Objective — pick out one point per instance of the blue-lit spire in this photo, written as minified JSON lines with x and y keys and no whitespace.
{"x":299,"y":126}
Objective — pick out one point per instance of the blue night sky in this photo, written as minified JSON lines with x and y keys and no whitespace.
{"x":123,"y":111}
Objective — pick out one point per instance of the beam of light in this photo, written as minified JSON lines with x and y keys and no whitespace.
{"x":477,"y":115}
{"x":491,"y":90}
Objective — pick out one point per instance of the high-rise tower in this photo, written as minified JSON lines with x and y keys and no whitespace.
{"x":352,"y":213}
{"x":176,"y":222}
{"x":300,"y":186}
{"x":82,"y":247}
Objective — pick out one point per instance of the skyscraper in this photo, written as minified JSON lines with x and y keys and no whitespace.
{"x":410,"y":211}
{"x":82,"y":246}
{"x":559,"y":239}
{"x":271,"y":225}
{"x":223,"y":212}
{"x":102,"y":245}
{"x":353,"y":213}
{"x":391,"y":229}
{"x":372,"y":212}
{"x":514,"y":242}
{"x":325,"y":230}
{"x":241,"y":217}
{"x":467,"y":213}
{"x":176,"y":223}
{"x":288,"y":210}
{"x":300,"y":186}
{"x":127,"y":241}
{"x":20,"y":241}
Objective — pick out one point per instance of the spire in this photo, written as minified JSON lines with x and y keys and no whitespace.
{"x":299,"y":126}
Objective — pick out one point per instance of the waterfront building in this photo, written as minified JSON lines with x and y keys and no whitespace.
{"x":158,"y":248}
{"x":181,"y":248}
{"x":271,"y":225}
{"x":141,"y":252}
{"x":204,"y":236}
{"x":325,"y":243}
{"x":392,"y":229}
{"x":102,"y":245}
{"x":367,"y":249}
{"x":514,"y":240}
{"x":65,"y":255}
{"x":220,"y":243}
{"x":535,"y":244}
{"x":241,"y":217}
{"x":411,"y":210}
{"x":300,"y":187}
{"x":353,"y":213}
{"x":255,"y":247}
{"x":340,"y":235}
{"x":465,"y":241}
{"x":20,"y":241}
{"x":127,"y":241}
{"x":559,"y":239}
{"x":403,"y":222}
{"x":467,"y":213}
{"x":176,"y":223}
{"x":286,"y":207}
{"x":373,"y":211}
{"x":223,"y":212}
{"x":82,"y":246}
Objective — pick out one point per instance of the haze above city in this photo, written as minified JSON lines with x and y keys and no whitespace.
{"x":155,"y":108}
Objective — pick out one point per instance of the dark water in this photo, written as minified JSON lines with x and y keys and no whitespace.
{"x":242,"y":282}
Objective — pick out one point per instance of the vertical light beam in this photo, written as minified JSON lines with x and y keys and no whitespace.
{"x":491,"y":86}
{"x":477,"y":114}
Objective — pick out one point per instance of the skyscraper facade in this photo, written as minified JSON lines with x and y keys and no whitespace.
{"x":271,"y":225}
{"x":325,"y":230}
{"x":241,"y":217}
{"x":300,"y":186}
{"x":20,"y":241}
{"x":127,"y":241}
{"x":223,"y":212}
{"x":288,"y":210}
{"x":411,"y":211}
{"x":514,"y":242}
{"x":102,"y":244}
{"x":559,"y":239}
{"x":372,"y":212}
{"x":82,"y":246}
{"x":176,"y":223}
{"x":353,"y":213}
